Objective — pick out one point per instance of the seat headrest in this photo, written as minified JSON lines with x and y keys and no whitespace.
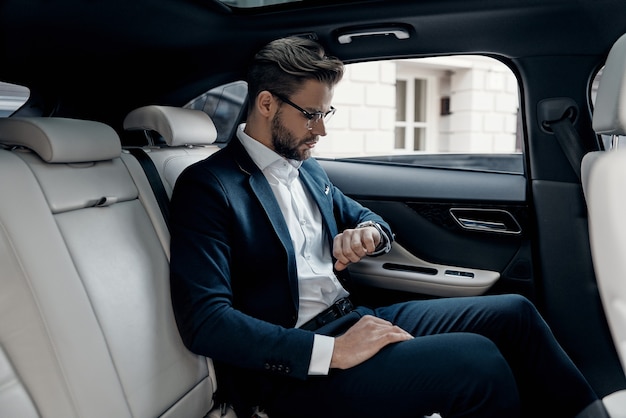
{"x":178,"y":126}
{"x":609,"y":115}
{"x":62,"y":140}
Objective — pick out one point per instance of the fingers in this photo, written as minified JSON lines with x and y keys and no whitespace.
{"x":383,"y":330}
{"x":340,"y":266}
{"x":363,"y":340}
{"x":352,"y":245}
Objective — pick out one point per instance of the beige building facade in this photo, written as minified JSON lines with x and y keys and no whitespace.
{"x":457,"y":104}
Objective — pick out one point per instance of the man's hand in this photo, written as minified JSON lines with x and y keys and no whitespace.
{"x":363,"y":340}
{"x":352,"y":245}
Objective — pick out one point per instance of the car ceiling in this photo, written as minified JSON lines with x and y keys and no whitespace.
{"x":99,"y":59}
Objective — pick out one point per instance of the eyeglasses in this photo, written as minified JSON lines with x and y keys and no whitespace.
{"x":312,"y":118}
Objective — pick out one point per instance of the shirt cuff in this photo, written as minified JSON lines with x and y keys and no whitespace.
{"x":321,"y":356}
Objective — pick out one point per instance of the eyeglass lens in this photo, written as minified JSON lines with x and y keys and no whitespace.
{"x":318,"y":116}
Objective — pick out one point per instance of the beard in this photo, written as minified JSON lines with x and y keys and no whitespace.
{"x":285,"y":142}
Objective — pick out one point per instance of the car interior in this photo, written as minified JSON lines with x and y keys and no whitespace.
{"x":106,"y":103}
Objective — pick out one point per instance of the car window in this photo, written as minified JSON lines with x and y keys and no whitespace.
{"x":453,"y":112}
{"x":458,"y":112}
{"x":12,"y":97}
{"x":225,"y":104}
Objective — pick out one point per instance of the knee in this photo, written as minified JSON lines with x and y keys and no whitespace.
{"x":481,"y":356}
{"x":487,"y":380}
{"x":517,"y":302}
{"x":518,"y":306}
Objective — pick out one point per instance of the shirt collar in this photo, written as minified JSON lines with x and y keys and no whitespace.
{"x":262,"y":156}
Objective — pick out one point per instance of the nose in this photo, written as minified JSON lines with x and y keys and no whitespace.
{"x":318,"y":127}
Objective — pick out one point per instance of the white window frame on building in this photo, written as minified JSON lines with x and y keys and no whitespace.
{"x":411,"y":75}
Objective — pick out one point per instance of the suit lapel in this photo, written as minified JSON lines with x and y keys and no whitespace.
{"x":321,"y":193}
{"x":263,"y":192}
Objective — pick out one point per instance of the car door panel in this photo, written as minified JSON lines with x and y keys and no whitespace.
{"x":458,"y":232}
{"x":394,"y":180}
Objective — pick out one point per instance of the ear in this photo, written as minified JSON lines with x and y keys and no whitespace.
{"x":265,"y":103}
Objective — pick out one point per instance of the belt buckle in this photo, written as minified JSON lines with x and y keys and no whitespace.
{"x":344,"y":306}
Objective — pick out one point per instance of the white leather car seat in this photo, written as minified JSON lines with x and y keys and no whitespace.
{"x":189,"y":137}
{"x":604,"y":186}
{"x":86,"y":325}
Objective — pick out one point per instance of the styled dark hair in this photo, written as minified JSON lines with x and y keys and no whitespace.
{"x":283,"y":65}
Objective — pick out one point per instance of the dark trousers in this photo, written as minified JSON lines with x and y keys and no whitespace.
{"x":489,"y":356}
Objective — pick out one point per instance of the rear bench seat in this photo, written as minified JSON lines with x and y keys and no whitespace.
{"x":86,"y":327}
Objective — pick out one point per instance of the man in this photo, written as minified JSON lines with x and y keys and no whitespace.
{"x":260,"y":240}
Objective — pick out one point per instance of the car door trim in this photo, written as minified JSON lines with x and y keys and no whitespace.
{"x":401,"y":270}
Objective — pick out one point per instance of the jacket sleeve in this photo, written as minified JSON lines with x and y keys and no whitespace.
{"x":349,"y":213}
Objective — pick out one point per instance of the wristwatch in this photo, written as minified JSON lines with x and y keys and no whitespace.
{"x":385,"y":243}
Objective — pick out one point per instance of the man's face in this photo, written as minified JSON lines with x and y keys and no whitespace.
{"x":289,"y":144}
{"x":291,"y":137}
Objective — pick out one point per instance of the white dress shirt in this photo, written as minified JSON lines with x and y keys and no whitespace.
{"x":317,"y":284}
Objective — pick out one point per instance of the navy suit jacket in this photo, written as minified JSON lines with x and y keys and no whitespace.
{"x":234,"y":282}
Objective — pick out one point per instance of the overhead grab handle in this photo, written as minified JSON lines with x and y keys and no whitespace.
{"x":347,"y":37}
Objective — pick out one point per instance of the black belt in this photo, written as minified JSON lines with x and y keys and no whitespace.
{"x":336,"y":310}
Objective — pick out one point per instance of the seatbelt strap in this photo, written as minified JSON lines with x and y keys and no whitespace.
{"x":569,"y":140}
{"x":155,"y":182}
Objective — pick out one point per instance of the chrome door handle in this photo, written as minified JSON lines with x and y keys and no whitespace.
{"x":486,"y":220}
